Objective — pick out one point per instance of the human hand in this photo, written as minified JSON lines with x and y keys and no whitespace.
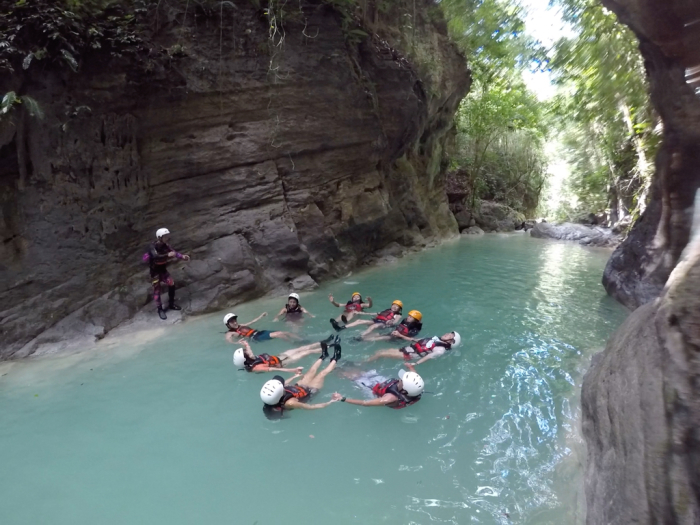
{"x":186,"y":257}
{"x":330,"y":297}
{"x":395,"y":333}
{"x":171,"y":254}
{"x":299,"y":369}
{"x":336,"y":396}
{"x":264,"y":314}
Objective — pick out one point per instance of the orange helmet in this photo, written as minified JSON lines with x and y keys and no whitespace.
{"x":416,"y":315}
{"x":398,"y":303}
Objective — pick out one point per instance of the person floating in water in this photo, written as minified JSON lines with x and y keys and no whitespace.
{"x":237,"y":330}
{"x":279,"y":396}
{"x":406,"y":329}
{"x":353,"y":307}
{"x":392,"y":393}
{"x":388,"y":317}
{"x":293,"y":311}
{"x":159,"y":255}
{"x":421,"y":349}
{"x":245,"y":359}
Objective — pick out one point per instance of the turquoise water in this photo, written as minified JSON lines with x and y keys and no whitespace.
{"x":166,"y":431}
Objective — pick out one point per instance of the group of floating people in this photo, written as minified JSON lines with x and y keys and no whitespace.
{"x":279,"y":395}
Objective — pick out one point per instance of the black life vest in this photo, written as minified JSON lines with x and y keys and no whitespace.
{"x":353,"y":307}
{"x":295,"y":312}
{"x":420,"y":347}
{"x":391,"y":387}
{"x":409,"y":330}
{"x":386,"y":315}
{"x":262,"y":359}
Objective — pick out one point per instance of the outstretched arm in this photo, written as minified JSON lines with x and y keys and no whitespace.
{"x":381,"y":401}
{"x":307,"y":312}
{"x":230,"y":337}
{"x":432,"y":355}
{"x":297,"y":371}
{"x":282,"y":311}
{"x":256,"y":319}
{"x":368,"y":304}
{"x":330,"y":298}
{"x":293,"y":403}
{"x":396,"y":333}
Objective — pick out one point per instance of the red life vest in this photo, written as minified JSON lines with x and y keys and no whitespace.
{"x":409,"y":330}
{"x":390,"y":387}
{"x":421,"y":347}
{"x":294,"y":392}
{"x":386,"y":315}
{"x":244,"y":331}
{"x":262,"y":359}
{"x":353,"y":307}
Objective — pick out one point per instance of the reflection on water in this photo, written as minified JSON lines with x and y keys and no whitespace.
{"x":166,"y":431}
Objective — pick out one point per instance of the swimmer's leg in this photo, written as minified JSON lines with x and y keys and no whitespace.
{"x":359,"y":322}
{"x":377,"y":338}
{"x":392,"y":353}
{"x":317,"y":382}
{"x":309,"y":376}
{"x":287,"y":336}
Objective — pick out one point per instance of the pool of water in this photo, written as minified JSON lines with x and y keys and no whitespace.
{"x":162,"y":429}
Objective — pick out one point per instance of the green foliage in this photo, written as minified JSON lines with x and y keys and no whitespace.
{"x":499,"y":146}
{"x":500,"y":125}
{"x":11,"y":102}
{"x":61,"y":32}
{"x":604,"y":115}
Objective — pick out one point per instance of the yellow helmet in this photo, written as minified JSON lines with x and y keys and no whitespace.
{"x":416,"y":315}
{"x":356,"y":293}
{"x":398,"y":303}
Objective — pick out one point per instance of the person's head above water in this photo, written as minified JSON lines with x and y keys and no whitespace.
{"x":451,"y":338}
{"x":356,"y":297}
{"x":414,"y":316}
{"x":272,"y":391}
{"x":411,"y":383}
{"x":397,"y":306}
{"x":293,"y":299}
{"x":231,"y":320}
{"x":163,"y":234}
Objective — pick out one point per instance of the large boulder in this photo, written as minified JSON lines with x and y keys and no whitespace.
{"x":641,"y":411}
{"x":567,"y":231}
{"x":495,"y":217}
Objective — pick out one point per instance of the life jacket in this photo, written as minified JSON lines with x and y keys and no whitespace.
{"x":245,"y":331}
{"x":353,"y":307}
{"x":421,"y":347}
{"x":294,"y":312}
{"x":386,"y":315}
{"x":294,"y":392}
{"x":262,"y":359}
{"x":391,"y":387}
{"x":409,"y":330}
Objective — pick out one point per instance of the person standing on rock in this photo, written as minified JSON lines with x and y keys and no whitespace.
{"x":353,"y":307}
{"x":160,"y":253}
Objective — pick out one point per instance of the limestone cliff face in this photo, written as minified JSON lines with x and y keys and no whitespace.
{"x":641,"y":396}
{"x":274,"y":164}
{"x":669,"y":38}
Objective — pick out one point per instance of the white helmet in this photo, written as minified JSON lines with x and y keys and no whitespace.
{"x":272,"y":392}
{"x":161,"y":232}
{"x":412,"y":383}
{"x":228,"y":317}
{"x":239,"y":358}
{"x":458,"y":339}
{"x":294,"y":296}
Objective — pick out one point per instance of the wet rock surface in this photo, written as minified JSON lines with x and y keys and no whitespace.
{"x":272,"y":172}
{"x":582,"y":234}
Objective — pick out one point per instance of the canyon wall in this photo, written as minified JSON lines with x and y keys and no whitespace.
{"x":277,"y":155}
{"x":641,"y":396}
